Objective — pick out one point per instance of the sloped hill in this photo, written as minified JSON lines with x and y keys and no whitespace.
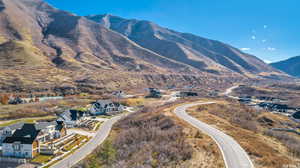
{"x":290,"y":66}
{"x":72,"y":41}
{"x":43,"y":48}
{"x":16,"y":53}
{"x":204,"y":54}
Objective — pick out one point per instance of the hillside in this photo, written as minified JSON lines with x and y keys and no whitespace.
{"x":201,"y":53}
{"x":45,"y":49}
{"x":290,"y":66}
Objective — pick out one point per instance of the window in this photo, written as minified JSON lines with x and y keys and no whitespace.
{"x":17,"y":147}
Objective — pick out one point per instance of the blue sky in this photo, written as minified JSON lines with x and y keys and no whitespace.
{"x":269,"y":29}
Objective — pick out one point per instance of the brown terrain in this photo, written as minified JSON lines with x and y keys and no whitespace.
{"x":251,"y":129}
{"x":155,"y":137}
{"x":45,"y":49}
{"x":289,"y":92}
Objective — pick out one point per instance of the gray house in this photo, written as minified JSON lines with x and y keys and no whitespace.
{"x":108,"y":107}
{"x":71,"y":118}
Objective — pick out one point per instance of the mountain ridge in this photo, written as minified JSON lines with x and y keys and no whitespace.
{"x":43,"y":40}
{"x":136,"y":30}
{"x":290,"y":66}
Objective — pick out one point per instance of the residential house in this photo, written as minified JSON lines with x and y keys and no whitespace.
{"x":50,"y":130}
{"x":119,"y":94}
{"x":283,"y":108}
{"x":15,"y":100}
{"x":23,"y":143}
{"x":296,"y":116}
{"x":9,"y":131}
{"x":245,"y":99}
{"x":105,"y":107}
{"x":187,"y":94}
{"x":154,"y":93}
{"x":72,"y":118}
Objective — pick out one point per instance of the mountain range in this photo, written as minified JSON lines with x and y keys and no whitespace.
{"x":290,"y":66}
{"x":42,"y":47}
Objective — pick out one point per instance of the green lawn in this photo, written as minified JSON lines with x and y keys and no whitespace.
{"x":42,"y":159}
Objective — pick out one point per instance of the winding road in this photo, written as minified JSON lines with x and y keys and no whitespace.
{"x":229,"y":91}
{"x":88,"y":148}
{"x":234,"y":155}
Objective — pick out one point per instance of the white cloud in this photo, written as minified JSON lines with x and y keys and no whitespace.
{"x":265,"y":26}
{"x":253,"y":37}
{"x":245,"y":49}
{"x":264,"y":41}
{"x":271,"y":49}
{"x":267,"y":61}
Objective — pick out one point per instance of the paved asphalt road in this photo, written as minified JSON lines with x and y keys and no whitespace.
{"x":85,"y":150}
{"x":234,"y":155}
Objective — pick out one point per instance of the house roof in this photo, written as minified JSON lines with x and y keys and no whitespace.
{"x":43,"y":125}
{"x":26,"y":135}
{"x":14,"y":126}
{"x":59,"y":127}
{"x":296,"y":115}
{"x":71,"y":115}
{"x":104,"y":102}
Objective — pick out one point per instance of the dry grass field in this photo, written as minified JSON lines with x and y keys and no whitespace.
{"x":248,"y":127}
{"x":288,"y":92}
{"x":155,"y":137}
{"x":39,"y":109}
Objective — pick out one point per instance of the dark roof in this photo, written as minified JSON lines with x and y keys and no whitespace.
{"x":26,"y":135}
{"x":22,"y":140}
{"x":296,"y":115}
{"x":74,"y":115}
{"x":59,"y":126}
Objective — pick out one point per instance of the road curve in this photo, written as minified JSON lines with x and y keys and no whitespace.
{"x":88,"y":148}
{"x":234,"y":155}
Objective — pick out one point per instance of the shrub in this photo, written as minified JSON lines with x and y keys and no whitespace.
{"x":292,"y":143}
{"x":238,"y":114}
{"x":145,"y":139}
{"x":4,"y":99}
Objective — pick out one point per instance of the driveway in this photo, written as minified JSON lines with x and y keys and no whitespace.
{"x":80,"y":132}
{"x":91,"y":145}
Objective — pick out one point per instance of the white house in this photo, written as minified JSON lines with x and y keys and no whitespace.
{"x":108,"y":107}
{"x":23,"y":143}
{"x":49,"y":131}
{"x":9,"y":131}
